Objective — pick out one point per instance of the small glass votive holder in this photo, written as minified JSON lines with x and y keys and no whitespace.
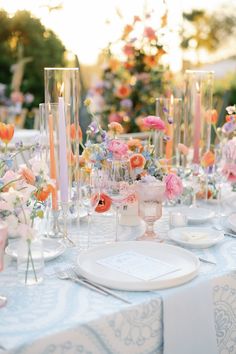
{"x":177,"y":219}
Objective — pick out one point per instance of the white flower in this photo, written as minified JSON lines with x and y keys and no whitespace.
{"x":12,"y":198}
{"x":39,"y":166}
{"x":231,"y":109}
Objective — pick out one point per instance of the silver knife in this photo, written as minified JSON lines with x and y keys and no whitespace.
{"x":103,"y":288}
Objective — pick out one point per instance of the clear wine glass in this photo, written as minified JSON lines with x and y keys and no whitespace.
{"x":151,"y":196}
{"x":89,"y":194}
{"x":3,"y":238}
{"x":117,"y":185}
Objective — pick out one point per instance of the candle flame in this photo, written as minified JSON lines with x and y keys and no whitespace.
{"x":197,"y":87}
{"x":171,"y":99}
{"x":62,"y":89}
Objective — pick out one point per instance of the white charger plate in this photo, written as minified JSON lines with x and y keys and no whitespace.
{"x":197,"y":215}
{"x":231,"y":222}
{"x":202,"y":237}
{"x":51,"y":249}
{"x":185,"y":261}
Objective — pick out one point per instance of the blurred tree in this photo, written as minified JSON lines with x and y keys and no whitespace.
{"x":25,"y":33}
{"x":209,"y":31}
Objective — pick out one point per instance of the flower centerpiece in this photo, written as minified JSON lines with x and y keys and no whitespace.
{"x":134,"y":73}
{"x":22,"y":194}
{"x":102,"y":146}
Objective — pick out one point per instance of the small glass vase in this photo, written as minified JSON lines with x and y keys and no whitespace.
{"x":30,"y":261}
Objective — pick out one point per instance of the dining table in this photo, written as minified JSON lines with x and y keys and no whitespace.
{"x":62,"y":316}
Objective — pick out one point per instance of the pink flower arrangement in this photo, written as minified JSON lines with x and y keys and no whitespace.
{"x":154,"y":122}
{"x":118,"y":148}
{"x":174,"y":186}
{"x":229,"y":150}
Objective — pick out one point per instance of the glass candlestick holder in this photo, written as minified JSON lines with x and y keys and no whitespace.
{"x":197,"y":113}
{"x":170,"y":111}
{"x":61,"y":121}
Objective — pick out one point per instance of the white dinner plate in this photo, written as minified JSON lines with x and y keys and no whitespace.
{"x":231,"y":222}
{"x":197,"y":215}
{"x":51,"y":249}
{"x":196,"y":237}
{"x":185,"y":263}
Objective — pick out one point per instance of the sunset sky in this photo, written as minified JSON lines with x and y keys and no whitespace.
{"x":81,"y":25}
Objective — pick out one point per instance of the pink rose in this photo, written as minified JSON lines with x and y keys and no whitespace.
{"x":118,"y":148}
{"x":229,"y":170}
{"x":174,"y":186}
{"x":154,"y":122}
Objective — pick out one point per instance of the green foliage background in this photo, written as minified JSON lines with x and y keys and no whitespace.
{"x":24,"y":31}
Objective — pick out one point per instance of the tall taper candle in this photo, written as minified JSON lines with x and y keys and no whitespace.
{"x":63,"y":171}
{"x":52,"y":161}
{"x":197,"y":126}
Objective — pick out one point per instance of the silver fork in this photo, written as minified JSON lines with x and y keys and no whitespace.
{"x":101,"y":287}
{"x":68,"y":275}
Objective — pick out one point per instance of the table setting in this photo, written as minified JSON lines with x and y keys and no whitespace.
{"x":115,"y":245}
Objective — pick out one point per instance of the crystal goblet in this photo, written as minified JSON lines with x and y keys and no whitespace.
{"x":150,"y":195}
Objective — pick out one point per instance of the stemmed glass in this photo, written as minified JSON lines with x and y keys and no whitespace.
{"x":89,"y":187}
{"x":151,"y":196}
{"x":3,"y":237}
{"x":117,"y":185}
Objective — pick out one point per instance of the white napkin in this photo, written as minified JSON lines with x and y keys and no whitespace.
{"x":188,"y":315}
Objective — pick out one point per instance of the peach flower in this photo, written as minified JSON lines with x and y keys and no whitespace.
{"x":115,"y":128}
{"x":123,"y":91}
{"x":183,"y":149}
{"x":135,"y":145}
{"x":208,"y":159}
{"x":27,"y":175}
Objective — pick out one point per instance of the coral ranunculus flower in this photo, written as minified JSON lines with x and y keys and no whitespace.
{"x":137,"y":161}
{"x":150,"y":60}
{"x":128,"y":50}
{"x":149,"y":33}
{"x":6,"y":132}
{"x":115,"y":128}
{"x":123,"y":91}
{"x":208,"y":159}
{"x":42,"y":194}
{"x":135,"y":145}
{"x":104,"y":203}
{"x":231,"y":117}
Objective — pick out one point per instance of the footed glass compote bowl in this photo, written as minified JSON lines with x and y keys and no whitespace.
{"x":151,"y":195}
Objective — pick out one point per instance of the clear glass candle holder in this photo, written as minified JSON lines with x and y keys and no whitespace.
{"x":197,"y":113}
{"x":171,"y":112}
{"x":63,"y":138}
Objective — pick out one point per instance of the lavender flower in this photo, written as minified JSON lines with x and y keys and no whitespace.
{"x":229,"y":127}
{"x":126,"y":103}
